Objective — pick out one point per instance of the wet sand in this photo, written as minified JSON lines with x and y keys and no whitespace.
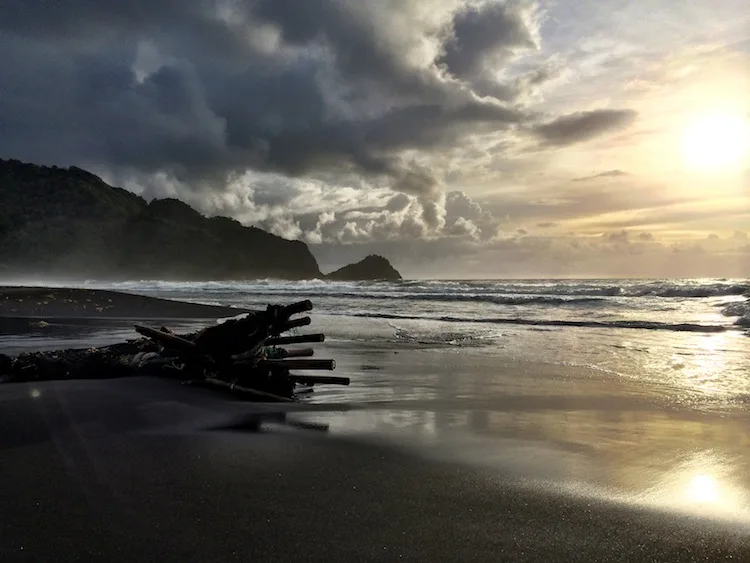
{"x":143,"y":470}
{"x":78,"y":303}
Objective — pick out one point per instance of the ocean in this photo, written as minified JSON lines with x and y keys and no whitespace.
{"x":633,"y":391}
{"x":690,"y":335}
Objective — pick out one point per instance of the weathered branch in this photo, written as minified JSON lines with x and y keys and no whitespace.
{"x":301,"y":339}
{"x":299,"y":353}
{"x":312,"y":379}
{"x":295,"y":323}
{"x":299,"y":307}
{"x":298,"y":364}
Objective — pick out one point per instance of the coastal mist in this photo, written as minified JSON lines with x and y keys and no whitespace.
{"x":625,"y":390}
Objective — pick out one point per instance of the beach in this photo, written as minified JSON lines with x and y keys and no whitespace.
{"x":79,"y":303}
{"x":137,"y":469}
{"x":455,"y":441}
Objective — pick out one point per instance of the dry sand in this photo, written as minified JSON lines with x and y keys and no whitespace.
{"x":148,"y":470}
{"x":46,"y":303}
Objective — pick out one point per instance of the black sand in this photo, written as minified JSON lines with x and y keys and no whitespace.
{"x":137,"y":470}
{"x":55,"y":303}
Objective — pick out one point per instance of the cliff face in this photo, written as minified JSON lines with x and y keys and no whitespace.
{"x":371,"y":268}
{"x":68,"y":222}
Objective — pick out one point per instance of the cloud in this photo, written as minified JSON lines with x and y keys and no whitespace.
{"x":461,"y":210}
{"x":404,"y":218}
{"x":583,"y":126}
{"x":334,"y":89}
{"x":607,"y":174}
{"x":361,"y":126}
{"x":618,"y":237}
{"x":485,"y":33}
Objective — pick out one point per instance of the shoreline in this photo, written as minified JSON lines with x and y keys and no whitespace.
{"x":81,"y":304}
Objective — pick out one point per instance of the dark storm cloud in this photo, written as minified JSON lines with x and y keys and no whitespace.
{"x":359,"y":47}
{"x":218,"y":101}
{"x":483,"y":38}
{"x":583,"y":126}
{"x":479,"y":32}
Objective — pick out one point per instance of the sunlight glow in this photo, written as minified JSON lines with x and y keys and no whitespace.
{"x":716,"y":142}
{"x":702,"y":489}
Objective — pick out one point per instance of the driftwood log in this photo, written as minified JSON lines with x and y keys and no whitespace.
{"x":243,"y":355}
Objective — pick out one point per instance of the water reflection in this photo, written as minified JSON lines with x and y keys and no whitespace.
{"x":634,"y":456}
{"x":644,"y":431}
{"x":703,"y":367}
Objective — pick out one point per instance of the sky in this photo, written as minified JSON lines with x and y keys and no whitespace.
{"x":458,"y":138}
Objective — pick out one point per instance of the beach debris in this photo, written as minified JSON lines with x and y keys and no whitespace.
{"x":243,"y":355}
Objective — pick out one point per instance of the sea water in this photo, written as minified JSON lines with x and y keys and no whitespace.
{"x":688,"y":335}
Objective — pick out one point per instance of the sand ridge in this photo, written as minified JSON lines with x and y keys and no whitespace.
{"x":49,"y":302}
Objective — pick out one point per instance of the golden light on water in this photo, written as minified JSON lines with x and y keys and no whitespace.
{"x":716,"y":142}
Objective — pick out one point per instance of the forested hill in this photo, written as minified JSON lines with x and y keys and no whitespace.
{"x":69,"y":222}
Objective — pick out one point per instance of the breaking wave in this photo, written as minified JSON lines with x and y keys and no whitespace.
{"x":669,"y":305}
{"x":739,"y":309}
{"x":462,"y":298}
{"x":540,"y":289}
{"x":643,"y":325}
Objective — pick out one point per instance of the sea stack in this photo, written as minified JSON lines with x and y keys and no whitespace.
{"x":373,"y":267}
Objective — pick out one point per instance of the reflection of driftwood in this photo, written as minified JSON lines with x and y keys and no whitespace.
{"x":245,"y":391}
{"x":239,"y":354}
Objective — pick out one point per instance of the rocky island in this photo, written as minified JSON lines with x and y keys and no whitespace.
{"x":373,"y":267}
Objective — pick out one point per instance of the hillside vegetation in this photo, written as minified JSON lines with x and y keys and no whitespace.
{"x":69,"y":222}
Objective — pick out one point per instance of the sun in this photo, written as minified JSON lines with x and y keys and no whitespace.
{"x":716,"y":143}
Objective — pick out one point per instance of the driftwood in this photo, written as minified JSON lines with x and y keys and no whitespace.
{"x":282,"y":340}
{"x":313,"y":379}
{"x":168,"y":339}
{"x":242,"y":355}
{"x":299,"y":353}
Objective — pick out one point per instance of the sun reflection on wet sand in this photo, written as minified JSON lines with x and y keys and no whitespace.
{"x":673,"y":462}
{"x":702,"y":489}
{"x":706,"y":484}
{"x":663,"y":427}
